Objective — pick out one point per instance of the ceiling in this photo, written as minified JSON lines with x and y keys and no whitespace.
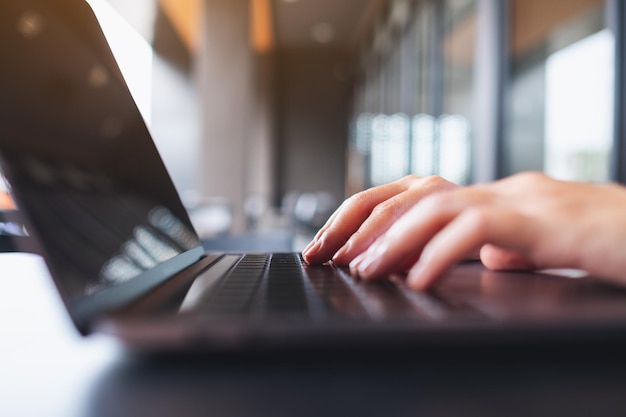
{"x":336,"y":23}
{"x":296,"y":23}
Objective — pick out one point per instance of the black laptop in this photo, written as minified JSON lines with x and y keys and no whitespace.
{"x":102,"y":211}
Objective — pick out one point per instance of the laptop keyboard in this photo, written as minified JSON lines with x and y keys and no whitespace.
{"x":268,"y":284}
{"x":283,"y":285}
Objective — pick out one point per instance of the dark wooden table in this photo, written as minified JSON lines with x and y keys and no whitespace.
{"x":47,"y":369}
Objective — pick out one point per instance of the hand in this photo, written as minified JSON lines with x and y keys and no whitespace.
{"x":524,"y":221}
{"x":364,"y":217}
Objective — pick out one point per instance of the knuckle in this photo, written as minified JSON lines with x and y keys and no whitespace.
{"x":362,"y":237}
{"x":410,"y":179}
{"x":479,"y":218}
{"x":359,"y":199}
{"x":389,"y":208}
{"x":434,"y":182}
{"x":530,"y":177}
{"x":531,"y":181}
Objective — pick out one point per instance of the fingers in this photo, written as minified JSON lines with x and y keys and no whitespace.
{"x":523,"y":222}
{"x":407,"y":237}
{"x":380,"y":220}
{"x":500,"y":259}
{"x":346,"y":221}
{"x":367,"y":215}
{"x":471,"y":229}
{"x":444,"y":230}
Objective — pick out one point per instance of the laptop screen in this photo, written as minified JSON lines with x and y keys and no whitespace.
{"x":81,"y":162}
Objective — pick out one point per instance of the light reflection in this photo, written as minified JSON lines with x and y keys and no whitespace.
{"x":323,"y":32}
{"x":422,"y":145}
{"x":119,"y":270}
{"x":98,"y":76}
{"x":379,"y":162}
{"x":390,"y":144}
{"x":86,"y":204}
{"x":171,"y":226}
{"x":139,"y":254}
{"x":423,"y":150}
{"x":88,"y":200}
{"x":579,"y":132}
{"x":146,"y":249}
{"x":159,"y":249}
{"x":30,"y":24}
{"x":364,"y":133}
{"x":454,"y":148}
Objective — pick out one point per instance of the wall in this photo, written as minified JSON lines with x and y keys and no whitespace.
{"x":313,"y":102}
{"x":271,"y":123}
{"x":224,"y":71}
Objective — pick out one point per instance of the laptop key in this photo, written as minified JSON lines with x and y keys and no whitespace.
{"x":283,"y":286}
{"x":233,"y":294}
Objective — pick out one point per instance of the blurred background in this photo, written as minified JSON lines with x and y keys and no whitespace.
{"x":268,"y":113}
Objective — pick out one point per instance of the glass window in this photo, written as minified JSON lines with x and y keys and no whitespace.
{"x":423,"y":146}
{"x":456,"y":116}
{"x":389,"y":160}
{"x":423,"y":123}
{"x":560,"y":95}
{"x":419,"y":90}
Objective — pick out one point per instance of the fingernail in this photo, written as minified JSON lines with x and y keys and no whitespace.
{"x":366,"y":263}
{"x":311,"y":251}
{"x":354,"y":265}
{"x":340,"y":256}
{"x":367,"y":266}
{"x":415,"y":280}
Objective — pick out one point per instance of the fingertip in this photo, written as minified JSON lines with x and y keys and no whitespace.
{"x":353,"y":265}
{"x":498,"y":259}
{"x":344,"y":256}
{"x":322,"y":250}
{"x":419,"y":279}
{"x":311,"y":251}
{"x":369,"y":268}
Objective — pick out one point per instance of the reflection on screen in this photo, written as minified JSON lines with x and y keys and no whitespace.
{"x":77,"y":152}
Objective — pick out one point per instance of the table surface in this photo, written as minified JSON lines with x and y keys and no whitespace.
{"x":47,"y":369}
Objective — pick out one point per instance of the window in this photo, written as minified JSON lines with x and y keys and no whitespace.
{"x":560,"y":94}
{"x":455,"y":120}
{"x":414,"y":106}
{"x":541,"y":95}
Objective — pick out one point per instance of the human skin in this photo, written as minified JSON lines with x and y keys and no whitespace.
{"x":422,"y":226}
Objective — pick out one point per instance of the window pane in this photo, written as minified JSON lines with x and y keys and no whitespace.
{"x":390,"y":137}
{"x":423,"y":150}
{"x":560,"y":108}
{"x":458,"y":89}
{"x":423,"y":121}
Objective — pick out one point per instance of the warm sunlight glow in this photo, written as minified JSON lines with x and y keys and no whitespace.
{"x":262,"y":31}
{"x":185,"y":16}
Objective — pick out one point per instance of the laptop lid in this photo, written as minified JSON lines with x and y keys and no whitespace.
{"x":81,"y":162}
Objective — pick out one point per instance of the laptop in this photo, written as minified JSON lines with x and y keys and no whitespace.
{"x":102,"y":211}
